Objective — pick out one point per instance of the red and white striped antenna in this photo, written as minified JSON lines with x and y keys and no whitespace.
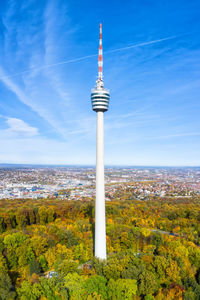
{"x":100,"y":59}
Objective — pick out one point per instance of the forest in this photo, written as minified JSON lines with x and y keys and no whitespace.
{"x":47,"y":250}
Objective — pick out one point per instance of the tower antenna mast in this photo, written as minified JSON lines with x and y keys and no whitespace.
{"x":100,"y":58}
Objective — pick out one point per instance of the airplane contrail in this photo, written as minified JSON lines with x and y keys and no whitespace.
{"x":89,"y":56}
{"x":142,"y":44}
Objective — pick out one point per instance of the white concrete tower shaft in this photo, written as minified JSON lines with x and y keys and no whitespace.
{"x":100,"y":101}
{"x":100,"y":217}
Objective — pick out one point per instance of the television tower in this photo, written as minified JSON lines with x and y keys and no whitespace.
{"x":100,"y":101}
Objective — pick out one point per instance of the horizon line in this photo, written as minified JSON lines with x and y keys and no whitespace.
{"x":93,"y":165}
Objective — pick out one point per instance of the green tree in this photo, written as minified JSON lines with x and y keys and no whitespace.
{"x":96,"y":284}
{"x":43,"y":216}
{"x":6,"y":292}
{"x":2,"y":225}
{"x":21,"y":218}
{"x":147,"y":283}
{"x":53,"y":288}
{"x":50,"y":214}
{"x":27,"y":291}
{"x":149,"y":297}
{"x":98,"y":265}
{"x":50,"y":288}
{"x":74,"y":284}
{"x":3,"y":265}
{"x":43,"y":262}
{"x":24,"y":253}
{"x":122,"y":289}
{"x":189,"y":295}
{"x":66,"y":266}
{"x":12,"y":242}
{"x":160,"y":264}
{"x":34,"y":267}
{"x":112,"y":269}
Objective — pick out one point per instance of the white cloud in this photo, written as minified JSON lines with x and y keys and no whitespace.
{"x":20,"y":128}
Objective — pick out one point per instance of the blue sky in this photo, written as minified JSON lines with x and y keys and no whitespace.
{"x":48,"y":65}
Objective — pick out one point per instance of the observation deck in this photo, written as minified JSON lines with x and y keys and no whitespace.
{"x":100,"y":98}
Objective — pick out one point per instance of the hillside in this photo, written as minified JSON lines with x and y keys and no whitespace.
{"x":47,"y":250}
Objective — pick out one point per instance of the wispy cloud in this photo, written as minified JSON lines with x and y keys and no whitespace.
{"x":20,"y":128}
{"x":36,"y":91}
{"x":22,"y":97}
{"x":176,"y":135}
{"x":50,"y":65}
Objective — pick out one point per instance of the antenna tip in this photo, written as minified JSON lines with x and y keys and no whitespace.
{"x":100,"y":25}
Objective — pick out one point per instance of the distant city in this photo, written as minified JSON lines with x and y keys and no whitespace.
{"x":78,"y":183}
